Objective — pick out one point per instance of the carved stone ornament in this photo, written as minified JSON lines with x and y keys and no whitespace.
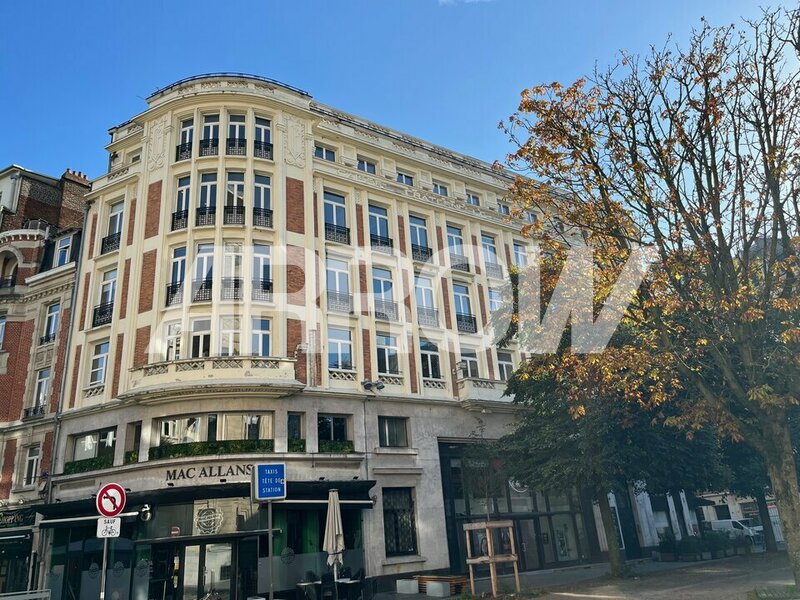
{"x":157,"y":144}
{"x":294,"y":142}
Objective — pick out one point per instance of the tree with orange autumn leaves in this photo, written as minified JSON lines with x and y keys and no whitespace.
{"x":694,"y":152}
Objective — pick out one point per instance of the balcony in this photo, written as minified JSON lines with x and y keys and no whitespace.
{"x":262,"y":290}
{"x":427,"y":317}
{"x":231,"y":288}
{"x":31,"y":412}
{"x":180,"y":219}
{"x":336,"y":446}
{"x":473,"y":388}
{"x":385,"y":310}
{"x":466,"y":323}
{"x":209,"y":147}
{"x":8,"y":282}
{"x":430,"y":383}
{"x":337,"y":233}
{"x":459,"y":262}
{"x":494,"y":270}
{"x":88,"y":464}
{"x":262,"y":217}
{"x":268,"y":377}
{"x":233,"y":215}
{"x":110,"y":243}
{"x":262,"y":150}
{"x":48,"y":338}
{"x":183,"y":151}
{"x":381,"y":244}
{"x":201,"y":290}
{"x":102,"y":314}
{"x":206,"y":215}
{"x":339,"y":302}
{"x":174,"y":293}
{"x":421,"y":253}
{"x":236,"y":147}
{"x":219,"y":447}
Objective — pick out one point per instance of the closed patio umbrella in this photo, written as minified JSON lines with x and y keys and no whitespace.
{"x":333,"y":543}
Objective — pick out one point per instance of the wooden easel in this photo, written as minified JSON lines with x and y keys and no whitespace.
{"x":491,"y":559}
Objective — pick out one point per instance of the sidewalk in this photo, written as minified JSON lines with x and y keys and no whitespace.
{"x":554,"y":578}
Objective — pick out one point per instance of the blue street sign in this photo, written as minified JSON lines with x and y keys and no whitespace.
{"x":269,"y":482}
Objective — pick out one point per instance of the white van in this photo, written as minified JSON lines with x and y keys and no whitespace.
{"x":733,"y":528}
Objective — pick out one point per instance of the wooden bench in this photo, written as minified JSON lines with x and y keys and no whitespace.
{"x":457,"y":582}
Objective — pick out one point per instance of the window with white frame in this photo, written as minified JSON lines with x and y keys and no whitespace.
{"x":423,"y":291}
{"x":32,"y":461}
{"x":182,"y":195}
{"x":455,"y":240}
{"x":503,"y":209}
{"x":393,"y":432}
{"x":531,"y":217}
{"x":388,"y":357}
{"x":419,"y":231}
{"x":340,"y":349}
{"x":187,"y":131}
{"x":51,"y":322}
{"x":232,"y":260}
{"x":236,"y":127}
{"x":470,"y":358}
{"x":404,"y":177}
{"x":97,"y":370}
{"x":174,"y":333}
{"x":378,"y":222}
{"x":201,"y":338}
{"x":108,"y":287}
{"x":439,"y":188}
{"x":324,"y":153}
{"x":520,"y":255}
{"x":263,"y":132}
{"x":204,"y":263}
{"x":334,"y":210}
{"x":177,"y":268}
{"x":260,"y":343}
{"x":115,"y":218}
{"x":505,"y":365}
{"x":208,"y":191}
{"x":96,"y":444}
{"x":229,"y":336}
{"x":63,"y":248}
{"x":489,"y":249}
{"x":473,"y":198}
{"x":461,"y":298}
{"x":262,"y":198}
{"x":429,"y":357}
{"x":495,"y":300}
{"x":234,"y":189}
{"x":42,"y":387}
{"x":366,"y":165}
{"x":210,"y":127}
{"x":337,"y":276}
{"x":262,"y":266}
{"x":382,"y":284}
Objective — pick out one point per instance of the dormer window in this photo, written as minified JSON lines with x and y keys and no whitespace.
{"x":63,"y":247}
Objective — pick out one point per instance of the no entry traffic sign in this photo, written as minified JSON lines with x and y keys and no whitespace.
{"x":110,"y":500}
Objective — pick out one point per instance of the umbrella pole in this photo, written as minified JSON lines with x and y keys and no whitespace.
{"x":336,"y":580}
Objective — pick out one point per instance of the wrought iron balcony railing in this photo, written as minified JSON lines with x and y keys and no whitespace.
{"x":386,"y":310}
{"x":47,"y":338}
{"x":337,"y":233}
{"x":102,"y":314}
{"x":231,"y":288}
{"x":494,"y":270}
{"x":174,"y":293}
{"x":381,"y":244}
{"x":428,"y":317}
{"x":206,"y":215}
{"x":209,"y":147}
{"x":262,"y":290}
{"x":421,"y":253}
{"x":262,"y":150}
{"x":262,"y":217}
{"x":8,"y":282}
{"x":236,"y":147}
{"x":33,"y":411}
{"x":110,"y":243}
{"x":183,"y":151}
{"x":466,"y":323}
{"x":202,"y":289}
{"x":233,"y":215}
{"x":459,"y":262}
{"x":180,"y":219}
{"x":340,"y":302}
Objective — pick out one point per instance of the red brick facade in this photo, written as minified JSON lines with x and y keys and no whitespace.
{"x":294,"y":337}
{"x":152,"y":217}
{"x":141,"y":346}
{"x":148,"y":281}
{"x":295,"y":206}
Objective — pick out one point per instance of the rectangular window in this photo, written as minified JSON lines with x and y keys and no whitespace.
{"x":177,"y":271}
{"x":211,"y":127}
{"x":238,"y":426}
{"x":263,"y":131}
{"x":337,"y":276}
{"x":261,"y":337}
{"x":187,"y":131}
{"x":470,"y":357}
{"x":429,"y":353}
{"x":236,"y":127}
{"x":495,"y":300}
{"x":423,"y":290}
{"x":461,"y":297}
{"x":378,"y":221}
{"x":262,"y":266}
{"x":455,"y":240}
{"x":531,"y":217}
{"x":173,"y":341}
{"x":439,"y":188}
{"x":332,"y":427}
{"x":340,"y":349}
{"x":234,"y":189}
{"x":392,"y":432}
{"x":183,"y":194}
{"x":520,"y":255}
{"x":184,"y":430}
{"x":204,"y":264}
{"x":334,"y":210}
{"x":503,"y":209}
{"x":32,"y":458}
{"x":42,"y":387}
{"x":51,"y":322}
{"x":97,"y":372}
{"x":63,"y":247}
{"x":382,"y":284}
{"x":97,"y":444}
{"x":108,"y":288}
{"x":2,"y":330}
{"x":505,"y":365}
{"x":324,"y":153}
{"x":201,"y":338}
{"x":115,"y":219}
{"x":294,"y":426}
{"x":399,"y":524}
{"x":473,"y":198}
{"x":366,"y":165}
{"x":229,"y":336}
{"x":419,"y":231}
{"x":208,"y":191}
{"x":262,"y":198}
{"x":388,"y":359}
{"x":405,"y":178}
{"x":489,"y":249}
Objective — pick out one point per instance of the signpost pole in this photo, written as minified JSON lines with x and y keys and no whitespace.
{"x":269,"y":547}
{"x":103,"y":570}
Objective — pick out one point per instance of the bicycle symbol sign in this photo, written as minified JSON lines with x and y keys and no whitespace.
{"x":110,"y":500}
{"x":108,"y":527}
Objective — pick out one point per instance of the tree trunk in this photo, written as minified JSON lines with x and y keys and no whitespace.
{"x":612,"y":535}
{"x":779,"y":458}
{"x":766,"y":521}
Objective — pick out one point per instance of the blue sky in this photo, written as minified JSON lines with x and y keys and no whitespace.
{"x":443,"y":70}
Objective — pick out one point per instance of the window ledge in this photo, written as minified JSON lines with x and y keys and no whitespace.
{"x":400,"y":560}
{"x":401,"y":451}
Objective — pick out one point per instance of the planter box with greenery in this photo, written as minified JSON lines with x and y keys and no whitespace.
{"x":689,"y":548}
{"x":131,"y":457}
{"x":668,"y":547}
{"x":297,"y":445}
{"x":210,"y":448}
{"x":336,"y":446}
{"x":88,"y":464}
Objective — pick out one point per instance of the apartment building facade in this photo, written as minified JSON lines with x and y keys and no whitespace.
{"x":268,"y":279}
{"x":40,"y":232}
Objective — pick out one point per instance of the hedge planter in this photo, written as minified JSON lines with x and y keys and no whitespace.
{"x":297,"y":445}
{"x":88,"y":464}
{"x":212,"y":448}
{"x":335,"y":446}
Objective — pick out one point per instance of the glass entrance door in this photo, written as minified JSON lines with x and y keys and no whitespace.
{"x":528,"y":545}
{"x":207,"y":572}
